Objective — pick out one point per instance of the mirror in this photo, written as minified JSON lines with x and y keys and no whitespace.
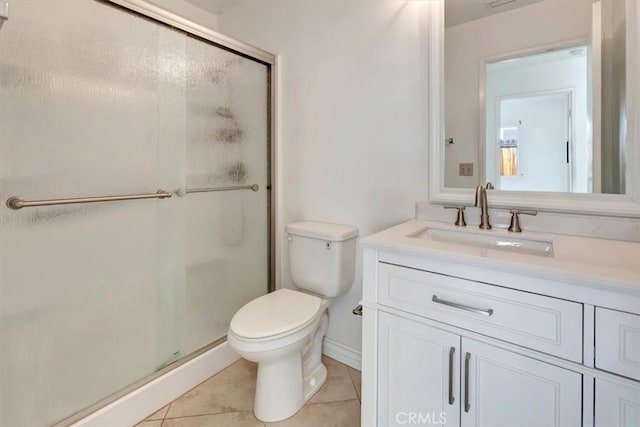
{"x":535,"y":95}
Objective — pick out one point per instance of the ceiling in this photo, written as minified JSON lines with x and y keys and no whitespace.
{"x":215,"y":6}
{"x":460,"y":11}
{"x":456,"y":11}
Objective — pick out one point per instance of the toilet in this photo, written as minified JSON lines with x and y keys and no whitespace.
{"x":283,"y":330}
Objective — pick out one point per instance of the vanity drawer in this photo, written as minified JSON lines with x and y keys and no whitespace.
{"x":550,"y":325}
{"x":618,"y":342}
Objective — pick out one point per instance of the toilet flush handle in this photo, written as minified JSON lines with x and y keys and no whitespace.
{"x":358,"y":310}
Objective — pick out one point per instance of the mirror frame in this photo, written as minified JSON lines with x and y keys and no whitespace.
{"x":618,"y":205}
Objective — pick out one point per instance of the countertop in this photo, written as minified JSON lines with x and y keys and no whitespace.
{"x":602,"y":263}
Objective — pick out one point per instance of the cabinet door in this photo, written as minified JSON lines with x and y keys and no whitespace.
{"x":418,"y":374}
{"x":618,"y":342}
{"x":617,"y":405}
{"x":501,"y":388}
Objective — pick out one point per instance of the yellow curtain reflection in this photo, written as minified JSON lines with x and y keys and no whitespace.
{"x":509,"y":161}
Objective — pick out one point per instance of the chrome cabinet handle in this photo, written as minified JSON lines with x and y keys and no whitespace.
{"x":485,"y":312}
{"x":452,"y":399}
{"x":467,"y":405}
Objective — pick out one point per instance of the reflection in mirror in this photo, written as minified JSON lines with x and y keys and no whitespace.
{"x":536,"y":120}
{"x":533,"y":101}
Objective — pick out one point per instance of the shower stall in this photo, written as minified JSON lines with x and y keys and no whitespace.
{"x":136,"y":215}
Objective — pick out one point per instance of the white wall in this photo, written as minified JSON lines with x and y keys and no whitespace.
{"x":353,"y":116}
{"x":466,"y":45}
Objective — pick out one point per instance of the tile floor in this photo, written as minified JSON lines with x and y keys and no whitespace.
{"x":226,"y":400}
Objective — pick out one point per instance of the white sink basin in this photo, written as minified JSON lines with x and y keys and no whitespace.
{"x":486,"y":239}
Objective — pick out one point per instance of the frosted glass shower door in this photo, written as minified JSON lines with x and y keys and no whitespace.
{"x":227,"y":147}
{"x":91,"y":104}
{"x":98,"y":101}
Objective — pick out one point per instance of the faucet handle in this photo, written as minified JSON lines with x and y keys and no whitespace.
{"x":460,"y":222}
{"x":515,"y":219}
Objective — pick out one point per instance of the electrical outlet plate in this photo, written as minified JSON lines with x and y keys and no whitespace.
{"x":465,"y":169}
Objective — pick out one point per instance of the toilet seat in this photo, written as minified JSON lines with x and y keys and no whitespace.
{"x":275,"y":315}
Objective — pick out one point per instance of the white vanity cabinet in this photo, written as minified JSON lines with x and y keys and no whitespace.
{"x":616,"y":405}
{"x":550,"y":325}
{"x":617,"y":337}
{"x":502,"y":388}
{"x":429,"y":376}
{"x":618,"y":342}
{"x":456,"y":341}
{"x":418,"y":373}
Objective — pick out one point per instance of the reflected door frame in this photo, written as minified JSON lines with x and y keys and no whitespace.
{"x":492,"y":143}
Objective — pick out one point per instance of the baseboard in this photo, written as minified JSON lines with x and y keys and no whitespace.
{"x":342,"y":353}
{"x":135,"y":406}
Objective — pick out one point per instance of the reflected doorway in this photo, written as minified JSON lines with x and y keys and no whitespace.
{"x":534,"y":142}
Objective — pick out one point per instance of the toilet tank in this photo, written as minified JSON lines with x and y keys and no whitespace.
{"x":322,"y":256}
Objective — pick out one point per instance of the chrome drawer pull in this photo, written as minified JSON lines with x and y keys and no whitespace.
{"x":485,"y":312}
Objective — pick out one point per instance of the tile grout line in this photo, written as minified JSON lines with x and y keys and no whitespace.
{"x":251,"y":411}
{"x":330,"y":402}
{"x":210,"y":414}
{"x":164,"y":417}
{"x":353,"y":382}
{"x":192,"y":389}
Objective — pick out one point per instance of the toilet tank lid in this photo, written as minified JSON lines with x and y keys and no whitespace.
{"x":323,"y":230}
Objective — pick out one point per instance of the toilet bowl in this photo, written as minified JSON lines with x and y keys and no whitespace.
{"x":283,"y":330}
{"x":290,"y":370}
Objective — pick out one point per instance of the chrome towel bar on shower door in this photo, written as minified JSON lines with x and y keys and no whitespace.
{"x":16,"y":202}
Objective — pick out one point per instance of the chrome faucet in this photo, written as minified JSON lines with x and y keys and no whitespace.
{"x":481,"y":200}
